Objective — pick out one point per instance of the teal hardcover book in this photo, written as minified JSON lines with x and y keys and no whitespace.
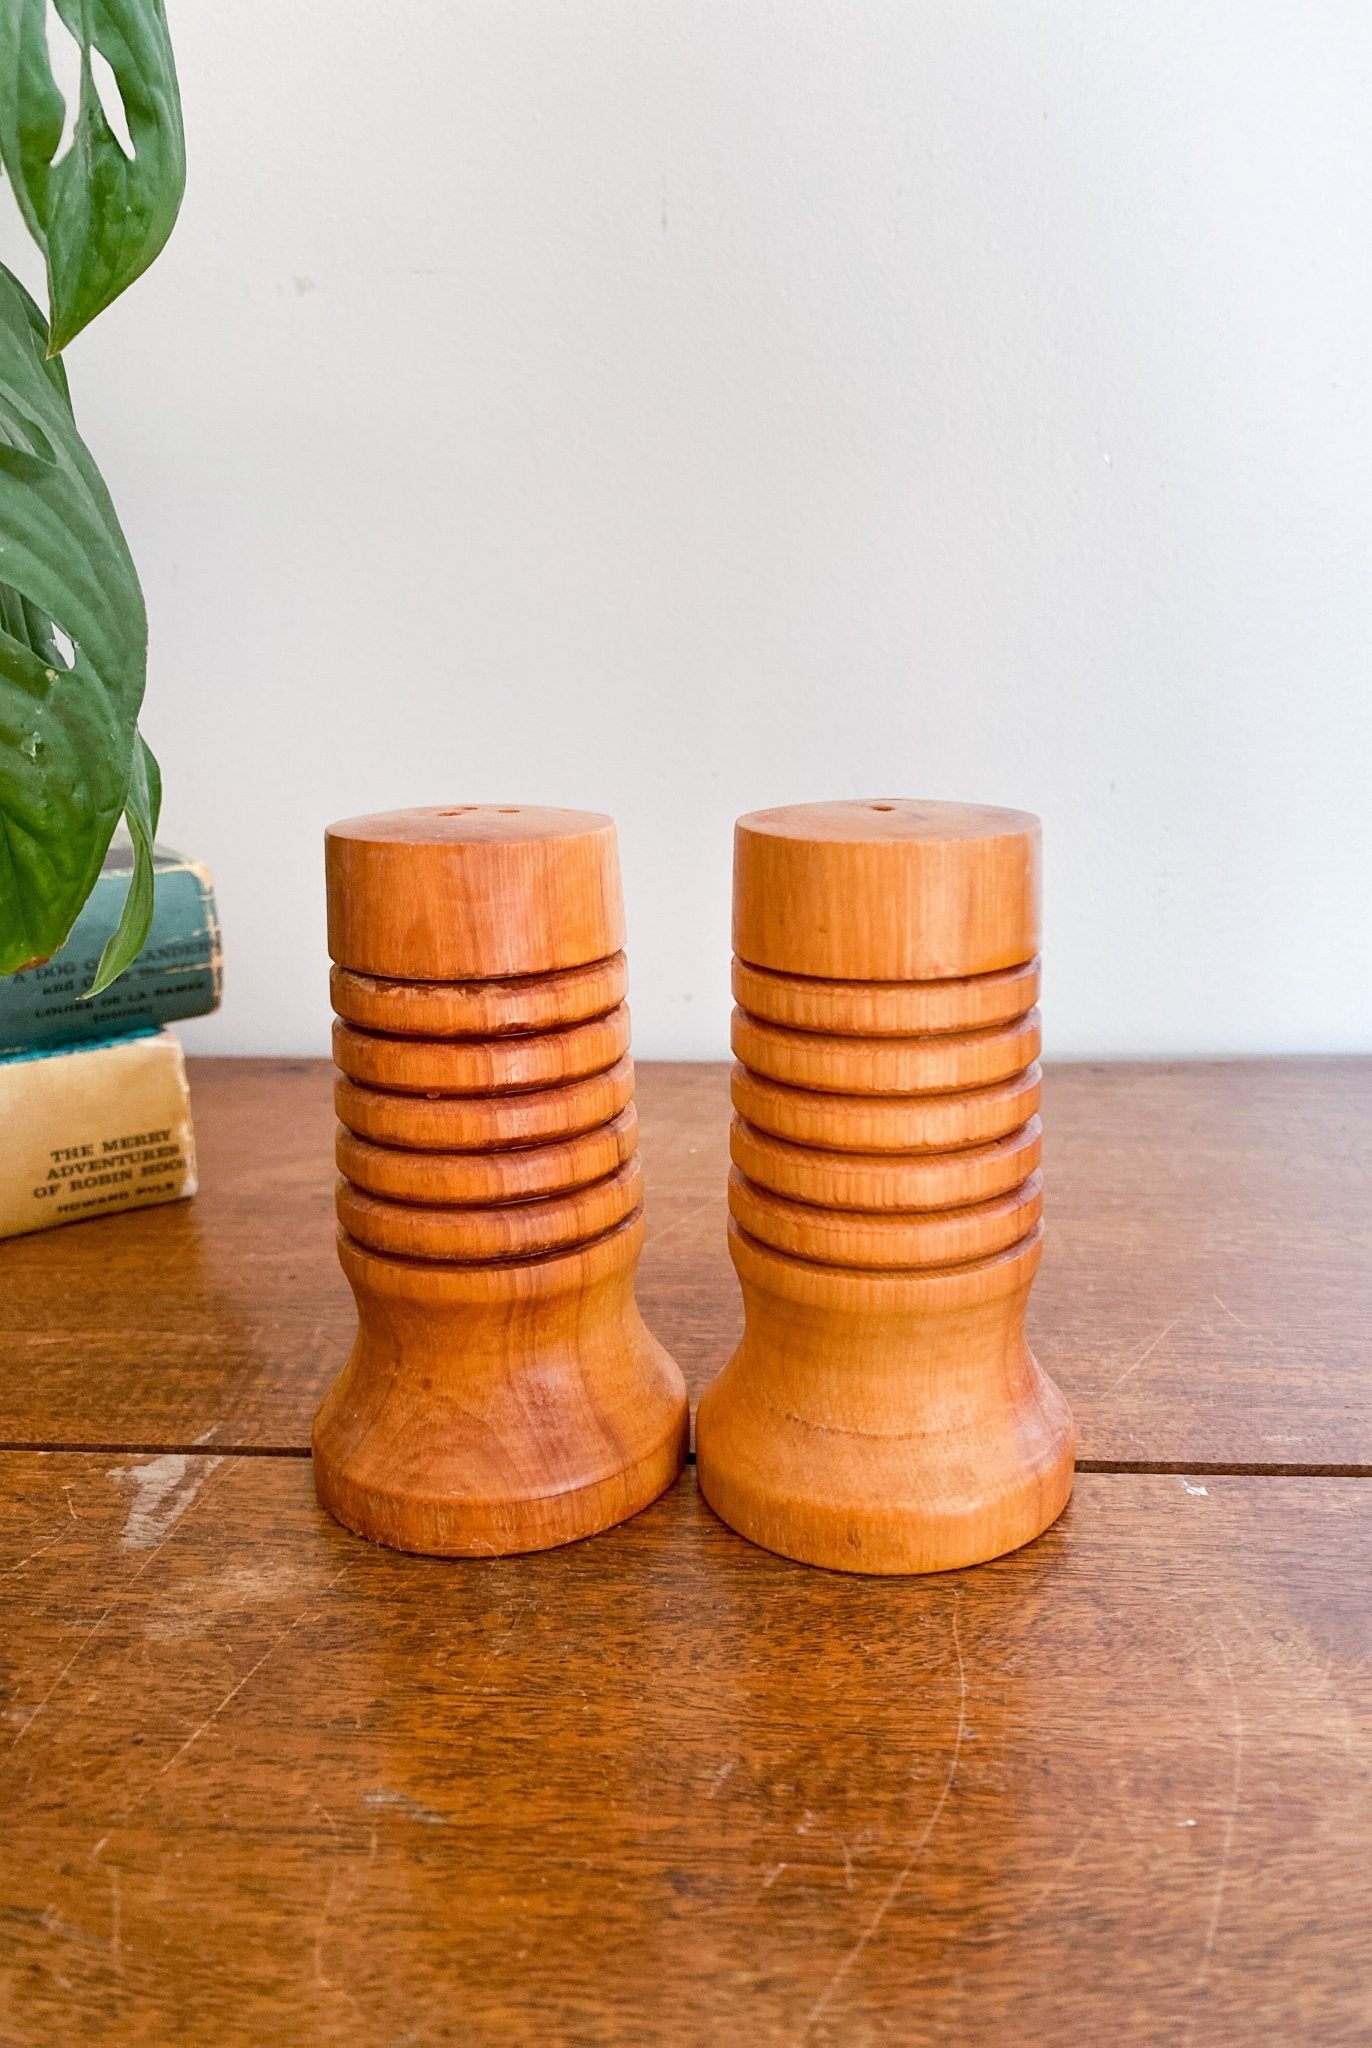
{"x":179,"y":972}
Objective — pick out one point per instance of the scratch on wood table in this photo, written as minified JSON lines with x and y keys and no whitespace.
{"x":902,"y":1876}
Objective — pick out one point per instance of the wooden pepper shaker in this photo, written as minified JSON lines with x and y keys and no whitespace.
{"x":883,"y":1412}
{"x":503,"y":1393}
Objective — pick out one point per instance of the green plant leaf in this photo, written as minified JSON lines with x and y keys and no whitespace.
{"x":126,"y":941}
{"x":73,"y":649}
{"x":99,"y":215}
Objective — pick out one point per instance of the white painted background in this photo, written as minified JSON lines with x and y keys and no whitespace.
{"x":680,"y":406}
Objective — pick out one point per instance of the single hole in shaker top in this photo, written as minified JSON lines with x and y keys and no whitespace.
{"x":883,"y":807}
{"x":508,"y":810}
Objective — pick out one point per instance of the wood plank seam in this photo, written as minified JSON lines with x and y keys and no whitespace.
{"x":1162,"y":1468}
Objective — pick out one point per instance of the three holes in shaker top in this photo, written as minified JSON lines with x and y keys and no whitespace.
{"x":461,"y":810}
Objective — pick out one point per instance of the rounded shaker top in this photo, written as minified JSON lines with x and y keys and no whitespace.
{"x":886,"y":889}
{"x":472,"y":892}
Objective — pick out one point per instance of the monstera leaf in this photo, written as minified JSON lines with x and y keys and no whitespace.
{"x":141,"y":807}
{"x":99,"y":215}
{"x":73,"y":658}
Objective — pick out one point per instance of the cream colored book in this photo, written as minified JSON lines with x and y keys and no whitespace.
{"x":94,"y":1129}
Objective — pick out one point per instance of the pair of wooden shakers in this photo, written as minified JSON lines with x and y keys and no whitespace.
{"x":883,"y":1412}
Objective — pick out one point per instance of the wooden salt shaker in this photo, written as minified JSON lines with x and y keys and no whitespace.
{"x":883,"y":1412}
{"x":503,"y":1393}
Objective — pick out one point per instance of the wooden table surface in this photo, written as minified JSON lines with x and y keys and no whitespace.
{"x":262,"y":1782}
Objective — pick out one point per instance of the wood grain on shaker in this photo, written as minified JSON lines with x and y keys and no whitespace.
{"x":887,"y":889}
{"x":473,"y":891}
{"x":503,"y":1393}
{"x":883,"y":1411}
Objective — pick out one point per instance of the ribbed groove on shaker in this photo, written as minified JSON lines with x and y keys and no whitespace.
{"x":482,"y":1123}
{"x":469,"y":1148}
{"x":474,"y":1233}
{"x":893,"y":1124}
{"x":873,"y":1149}
{"x":897,"y":1238}
{"x":885,"y":1009}
{"x":931,"y":1064}
{"x":512,"y":1174}
{"x":470,"y":1267}
{"x":479,"y":1009}
{"x":481,"y":1066}
{"x":880,"y":1181}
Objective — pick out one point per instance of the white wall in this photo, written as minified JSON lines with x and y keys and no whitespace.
{"x":681,"y":406}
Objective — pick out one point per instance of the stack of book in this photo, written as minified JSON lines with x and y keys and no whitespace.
{"x":95,"y":1114}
